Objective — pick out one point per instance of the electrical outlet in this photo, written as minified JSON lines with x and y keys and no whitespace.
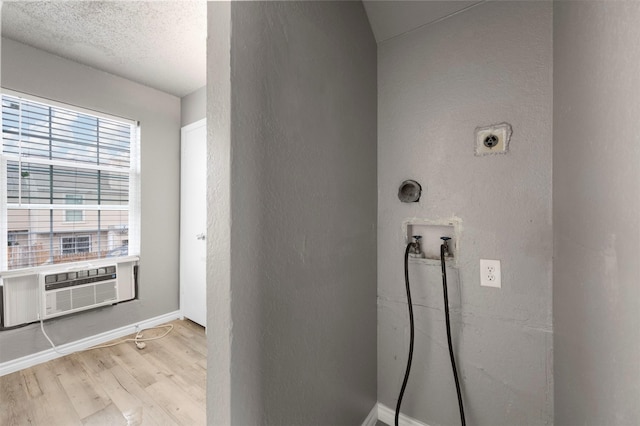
{"x":493,"y":139}
{"x":490,"y":273}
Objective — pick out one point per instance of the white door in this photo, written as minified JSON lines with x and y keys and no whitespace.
{"x":193,"y":222}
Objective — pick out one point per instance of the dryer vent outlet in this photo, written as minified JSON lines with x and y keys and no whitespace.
{"x":409,"y":191}
{"x":492,"y":139}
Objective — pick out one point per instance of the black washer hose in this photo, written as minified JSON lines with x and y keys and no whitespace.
{"x":446,"y":315}
{"x":411,"y":328}
{"x":406,"y":373}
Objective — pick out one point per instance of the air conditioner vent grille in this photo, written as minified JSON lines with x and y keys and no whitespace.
{"x":62,"y":301}
{"x":83,"y":296}
{"x":105,"y":292}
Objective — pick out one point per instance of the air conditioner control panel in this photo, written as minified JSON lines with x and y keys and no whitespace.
{"x":86,"y":276}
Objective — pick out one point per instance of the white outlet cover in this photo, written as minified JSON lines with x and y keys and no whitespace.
{"x":501,"y":131}
{"x":490,"y":275}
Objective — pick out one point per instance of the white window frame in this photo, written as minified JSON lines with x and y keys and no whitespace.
{"x":134,"y":207}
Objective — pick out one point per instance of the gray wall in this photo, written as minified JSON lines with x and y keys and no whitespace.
{"x":193,"y":107}
{"x":219,"y":213}
{"x":596,"y":180}
{"x":436,"y":85}
{"x":303,"y":209}
{"x":38,"y":73}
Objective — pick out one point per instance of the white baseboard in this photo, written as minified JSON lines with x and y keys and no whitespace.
{"x":388,"y":416}
{"x":372,"y":418}
{"x":49,"y":354}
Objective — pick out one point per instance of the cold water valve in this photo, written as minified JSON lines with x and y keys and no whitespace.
{"x":445,"y":245}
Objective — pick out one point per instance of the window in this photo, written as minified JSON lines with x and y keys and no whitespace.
{"x":76,"y":244}
{"x":73,"y":215}
{"x":54,"y":156}
{"x":12,"y":239}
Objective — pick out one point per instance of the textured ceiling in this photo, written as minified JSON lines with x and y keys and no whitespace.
{"x":392,"y":18}
{"x":161,"y":44}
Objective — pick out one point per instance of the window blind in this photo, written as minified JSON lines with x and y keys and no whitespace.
{"x":68,"y":181}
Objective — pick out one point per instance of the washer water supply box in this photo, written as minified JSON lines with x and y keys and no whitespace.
{"x":431,"y":232}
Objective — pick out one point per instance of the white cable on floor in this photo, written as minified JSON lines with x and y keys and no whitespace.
{"x":138,"y":340}
{"x":50,"y":342}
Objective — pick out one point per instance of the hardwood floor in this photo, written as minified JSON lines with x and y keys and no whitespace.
{"x":163,"y":384}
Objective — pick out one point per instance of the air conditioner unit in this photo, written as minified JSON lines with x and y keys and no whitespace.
{"x":27,"y":297}
{"x":66,"y":292}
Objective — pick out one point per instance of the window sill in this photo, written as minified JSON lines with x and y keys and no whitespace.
{"x":63,"y":267}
